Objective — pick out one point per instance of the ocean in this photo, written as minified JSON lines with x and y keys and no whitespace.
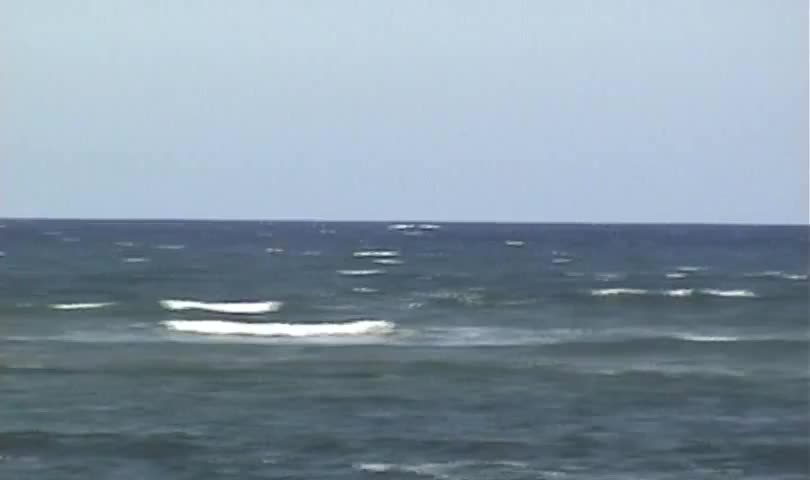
{"x":310,"y":350}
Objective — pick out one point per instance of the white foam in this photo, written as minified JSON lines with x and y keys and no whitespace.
{"x":360,"y":273}
{"x":605,"y":292}
{"x":679,"y":292}
{"x":219,"y":327}
{"x":706,"y":338}
{"x":125,"y":244}
{"x":364,"y":290}
{"x":135,"y":260}
{"x":607,"y":277}
{"x":80,"y":306}
{"x":437,"y":470}
{"x":222,"y":307}
{"x":71,"y":239}
{"x":170,"y":247}
{"x":515,"y":243}
{"x":274,"y":250}
{"x":777,"y":274}
{"x":561,"y":260}
{"x":428,"y":226}
{"x":376,"y":254}
{"x":691,"y":268}
{"x":388,"y":261}
{"x":676,"y":275}
{"x":401,"y":226}
{"x":728,"y":293}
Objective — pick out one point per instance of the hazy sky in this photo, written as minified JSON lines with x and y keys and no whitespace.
{"x":596,"y":111}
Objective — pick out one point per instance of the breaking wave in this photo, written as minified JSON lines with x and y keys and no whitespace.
{"x":80,"y":306}
{"x":222,"y":307}
{"x":678,"y":292}
{"x":219,"y":327}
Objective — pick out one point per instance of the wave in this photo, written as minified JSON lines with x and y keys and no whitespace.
{"x":514,"y":243}
{"x":606,"y":292}
{"x":728,"y":293}
{"x":170,"y":247}
{"x":125,"y":244}
{"x":135,"y":260}
{"x":376,"y":254}
{"x":776,"y":274}
{"x":607,"y":277}
{"x":688,"y":337}
{"x":219,"y":327}
{"x":401,"y":226}
{"x":561,"y":260}
{"x":80,"y":306}
{"x":428,"y":226}
{"x":691,"y":268}
{"x":678,"y":292}
{"x":388,"y":261}
{"x":360,"y":273}
{"x":364,"y":290}
{"x":222,"y":307}
{"x":439,"y":470}
{"x":676,"y":275}
{"x":274,"y":250}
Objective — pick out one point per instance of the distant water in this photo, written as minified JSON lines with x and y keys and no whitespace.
{"x":196,"y":350}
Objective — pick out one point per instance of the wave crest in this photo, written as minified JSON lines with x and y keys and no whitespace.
{"x":222,"y":307}
{"x":219,"y":327}
{"x":80,"y":306}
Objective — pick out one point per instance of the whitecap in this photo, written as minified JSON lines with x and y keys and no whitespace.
{"x":691,"y":269}
{"x":428,"y":226}
{"x":223,"y":307}
{"x":728,"y":293}
{"x":135,"y":260}
{"x":675,"y":275}
{"x":515,"y":243}
{"x":561,"y":260}
{"x":167,"y":246}
{"x":679,"y":292}
{"x":388,"y":261}
{"x":364,"y":290}
{"x":360,"y":273}
{"x":603,"y":292}
{"x":607,"y":277}
{"x":80,"y":306}
{"x":401,"y":226}
{"x":437,"y":470}
{"x":777,"y":274}
{"x":125,"y":244}
{"x":219,"y":327}
{"x":274,"y":250}
{"x":71,"y":239}
{"x":376,"y":254}
{"x":689,"y":337}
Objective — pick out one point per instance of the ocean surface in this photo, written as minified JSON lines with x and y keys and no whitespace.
{"x":247,"y":350}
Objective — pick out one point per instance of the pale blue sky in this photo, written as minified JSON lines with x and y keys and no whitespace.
{"x":564,"y":110}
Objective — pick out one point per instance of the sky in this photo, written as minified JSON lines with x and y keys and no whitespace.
{"x":688,"y":111}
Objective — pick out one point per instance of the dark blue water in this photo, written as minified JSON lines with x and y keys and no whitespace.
{"x":163,"y":350}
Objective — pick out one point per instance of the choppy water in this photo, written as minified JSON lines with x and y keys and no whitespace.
{"x":298,"y":350}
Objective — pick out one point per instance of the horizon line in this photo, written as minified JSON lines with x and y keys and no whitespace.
{"x":390,"y":221}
